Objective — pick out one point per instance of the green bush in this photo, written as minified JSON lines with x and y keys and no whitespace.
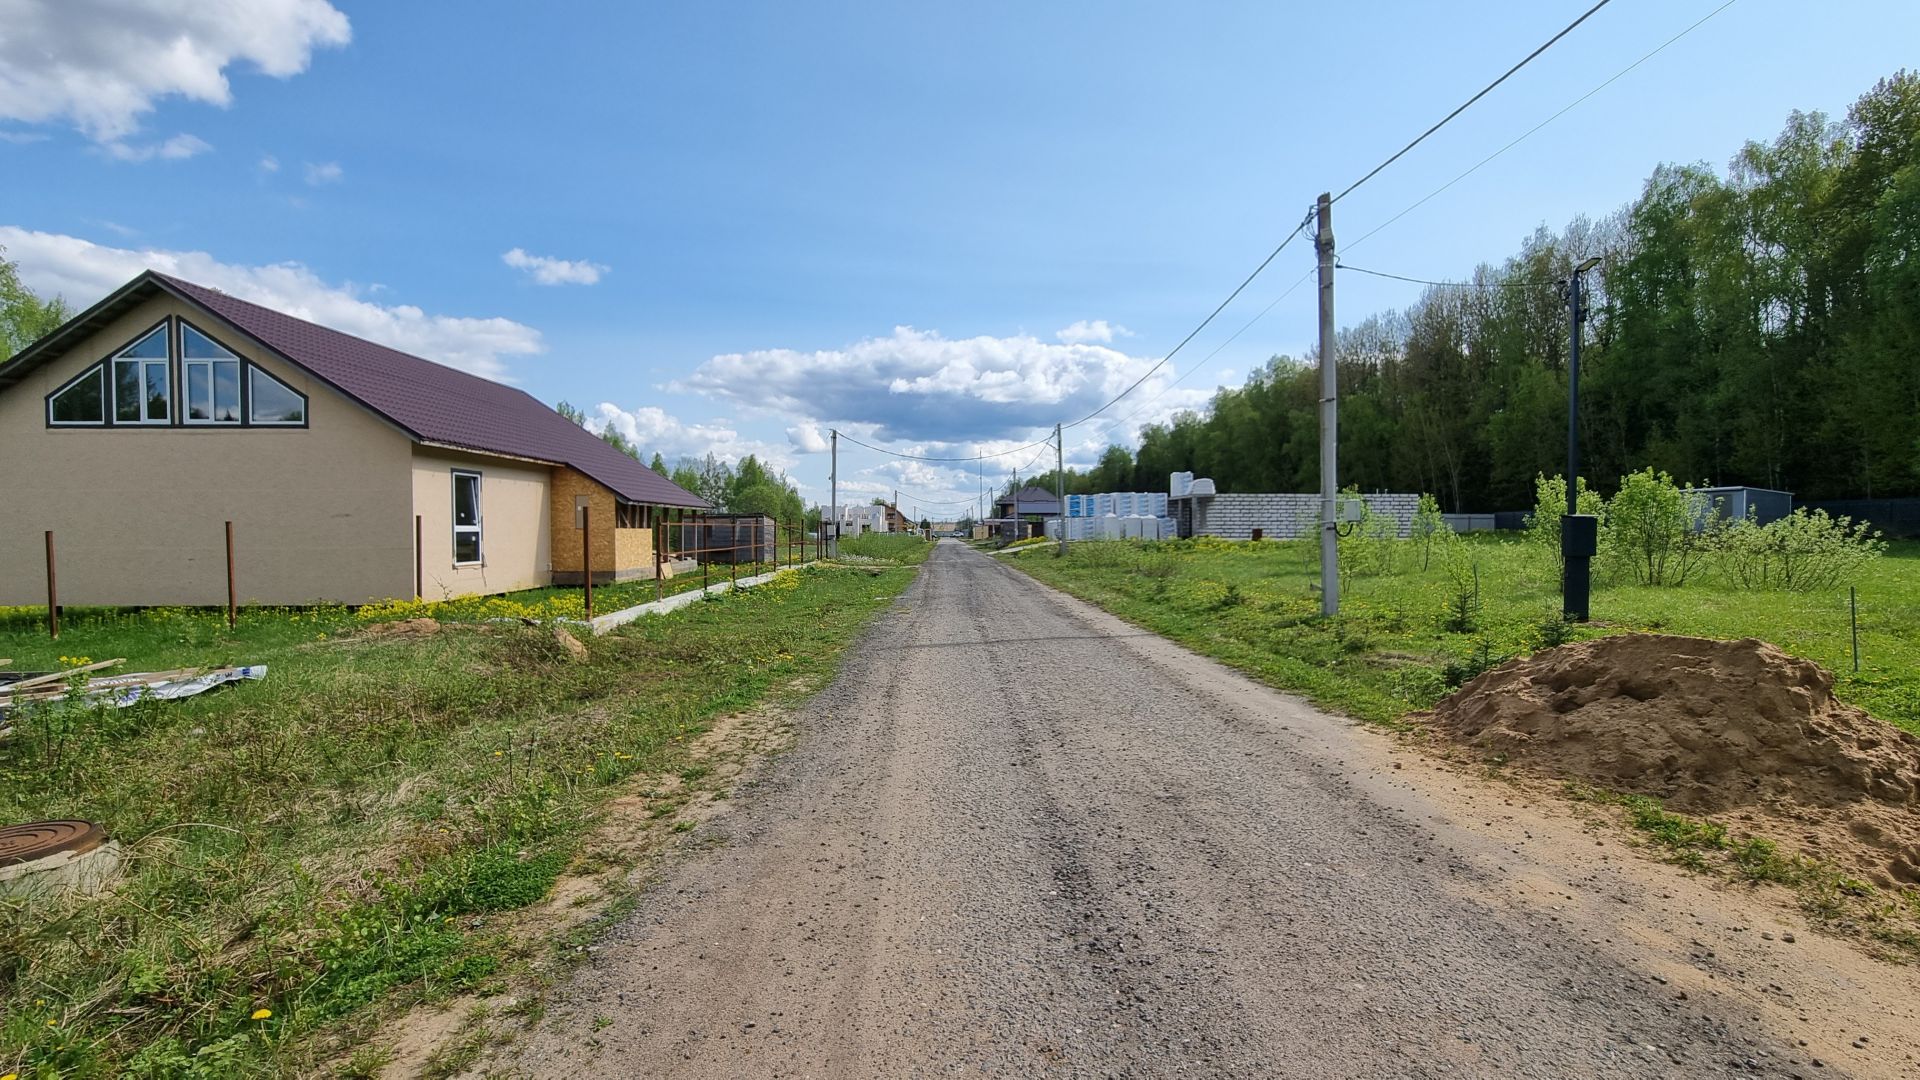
{"x":1802,"y":552}
{"x":1549,"y":503}
{"x":888,"y":547}
{"x":1650,"y":535}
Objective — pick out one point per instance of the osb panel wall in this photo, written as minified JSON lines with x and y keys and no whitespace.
{"x":568,"y":483}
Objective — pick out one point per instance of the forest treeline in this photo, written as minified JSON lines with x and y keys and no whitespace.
{"x":1760,"y":327}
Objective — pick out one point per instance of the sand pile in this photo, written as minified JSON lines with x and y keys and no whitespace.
{"x":1708,"y":726}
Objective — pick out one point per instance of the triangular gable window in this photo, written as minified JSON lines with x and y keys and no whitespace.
{"x":271,"y":401}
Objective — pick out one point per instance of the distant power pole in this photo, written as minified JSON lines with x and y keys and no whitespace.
{"x":835,"y":474}
{"x":1060,"y":483}
{"x":1329,"y":420}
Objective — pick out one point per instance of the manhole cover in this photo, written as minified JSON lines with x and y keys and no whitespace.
{"x":26,"y":843}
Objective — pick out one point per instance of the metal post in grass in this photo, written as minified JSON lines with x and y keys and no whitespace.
{"x":586,"y":555}
{"x":659,"y":585}
{"x":1853,"y":617}
{"x":419,"y":562}
{"x":53,"y":593}
{"x":231,"y":619}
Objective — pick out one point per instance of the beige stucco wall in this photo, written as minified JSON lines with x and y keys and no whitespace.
{"x":320,"y":513}
{"x":514,"y":497}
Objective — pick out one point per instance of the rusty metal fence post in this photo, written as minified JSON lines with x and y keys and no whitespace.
{"x":586,"y":554}
{"x":232,"y":617}
{"x":53,"y":593}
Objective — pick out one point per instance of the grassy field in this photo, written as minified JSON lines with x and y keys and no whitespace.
{"x":342,"y":833}
{"x":1408,"y":634}
{"x":904,"y":548}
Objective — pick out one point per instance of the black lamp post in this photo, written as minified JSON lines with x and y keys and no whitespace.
{"x":1579,"y":533}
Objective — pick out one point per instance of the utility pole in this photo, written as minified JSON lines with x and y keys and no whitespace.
{"x":1060,"y":483}
{"x":1329,"y":420}
{"x":835,"y":487}
{"x":1579,"y":533}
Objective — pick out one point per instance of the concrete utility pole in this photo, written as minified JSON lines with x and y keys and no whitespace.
{"x":835,"y":497}
{"x":1060,"y":483}
{"x":1329,"y":421}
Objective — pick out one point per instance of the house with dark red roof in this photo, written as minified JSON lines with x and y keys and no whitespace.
{"x":351,"y":472}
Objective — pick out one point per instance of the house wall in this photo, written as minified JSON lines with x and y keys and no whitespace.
{"x":514,"y":497}
{"x":618,"y":554}
{"x":320,"y":513}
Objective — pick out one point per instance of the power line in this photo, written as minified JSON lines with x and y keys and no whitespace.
{"x":1204,"y":361}
{"x":1453,"y":284}
{"x":1535,"y":128}
{"x":1375,"y":171}
{"x":1238,"y":289}
{"x":922,"y":457}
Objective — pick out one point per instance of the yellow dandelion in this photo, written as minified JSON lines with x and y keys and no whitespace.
{"x":262,"y":1014}
{"x":11,"y":1076}
{"x":497,"y":753}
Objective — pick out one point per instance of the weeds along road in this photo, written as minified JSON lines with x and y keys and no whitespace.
{"x":1018,"y":837}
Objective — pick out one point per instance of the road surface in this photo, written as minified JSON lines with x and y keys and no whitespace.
{"x":1018,"y":837}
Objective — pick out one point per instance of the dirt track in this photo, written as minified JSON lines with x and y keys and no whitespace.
{"x":1019,"y":837}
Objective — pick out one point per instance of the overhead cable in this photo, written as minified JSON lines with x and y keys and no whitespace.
{"x":1465,"y":105}
{"x":1524,"y":136}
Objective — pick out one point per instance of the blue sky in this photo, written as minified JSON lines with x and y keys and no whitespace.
{"x":938,"y":228}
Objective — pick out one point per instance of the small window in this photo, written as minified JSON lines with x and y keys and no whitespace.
{"x":213,"y":379}
{"x":466,"y":518}
{"x":82,"y":401}
{"x":271,"y":401}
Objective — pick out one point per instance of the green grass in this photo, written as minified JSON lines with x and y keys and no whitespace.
{"x":1407,"y":635}
{"x":1888,"y":919}
{"x":345,"y":832}
{"x":904,"y":548}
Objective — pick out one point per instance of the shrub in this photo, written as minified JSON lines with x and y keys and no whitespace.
{"x":1650,"y":535}
{"x":1430,"y":529}
{"x":1549,"y":503}
{"x":1802,"y":552}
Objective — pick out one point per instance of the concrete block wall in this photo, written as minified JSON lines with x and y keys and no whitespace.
{"x":1282,"y":516}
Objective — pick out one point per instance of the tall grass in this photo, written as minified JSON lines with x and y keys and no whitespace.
{"x":338,"y":834}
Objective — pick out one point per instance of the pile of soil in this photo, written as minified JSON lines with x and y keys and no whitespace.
{"x":1709,"y":727}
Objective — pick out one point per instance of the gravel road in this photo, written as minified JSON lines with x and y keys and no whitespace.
{"x":1018,"y":837}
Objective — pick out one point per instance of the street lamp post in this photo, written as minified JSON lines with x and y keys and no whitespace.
{"x":1579,"y":533}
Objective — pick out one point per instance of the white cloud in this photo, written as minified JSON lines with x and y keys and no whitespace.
{"x":178,"y":148}
{"x":269,"y":164}
{"x":654,"y":430}
{"x":943,"y":395}
{"x":551,"y":271}
{"x":1084,"y":331}
{"x":83,"y":272}
{"x":101,"y":65}
{"x":23,"y":137}
{"x":324,"y":173}
{"x":807,"y":439}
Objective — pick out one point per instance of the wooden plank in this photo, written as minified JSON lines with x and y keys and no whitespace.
{"x":59,"y":675}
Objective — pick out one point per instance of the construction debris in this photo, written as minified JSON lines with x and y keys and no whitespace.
{"x":120,"y":691}
{"x":570,"y":643}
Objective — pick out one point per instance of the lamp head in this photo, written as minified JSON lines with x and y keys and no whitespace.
{"x":1587,"y":264}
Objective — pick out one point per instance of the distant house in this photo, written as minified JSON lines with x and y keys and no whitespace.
{"x":137,"y":430}
{"x":897,"y":521}
{"x":855,"y":520}
{"x":1028,"y":501}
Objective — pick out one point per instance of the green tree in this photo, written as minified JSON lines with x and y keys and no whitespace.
{"x":24,"y":317}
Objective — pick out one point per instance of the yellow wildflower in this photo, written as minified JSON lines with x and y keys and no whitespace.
{"x":262,"y":1014}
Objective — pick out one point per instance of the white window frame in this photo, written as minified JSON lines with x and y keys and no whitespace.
{"x":99,"y":372}
{"x":247,"y":396}
{"x":213,"y":397}
{"x":478,"y":528}
{"x":187,"y":364}
{"x":143,"y":363}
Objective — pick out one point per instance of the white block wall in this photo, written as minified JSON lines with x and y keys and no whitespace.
{"x":1284,"y":516}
